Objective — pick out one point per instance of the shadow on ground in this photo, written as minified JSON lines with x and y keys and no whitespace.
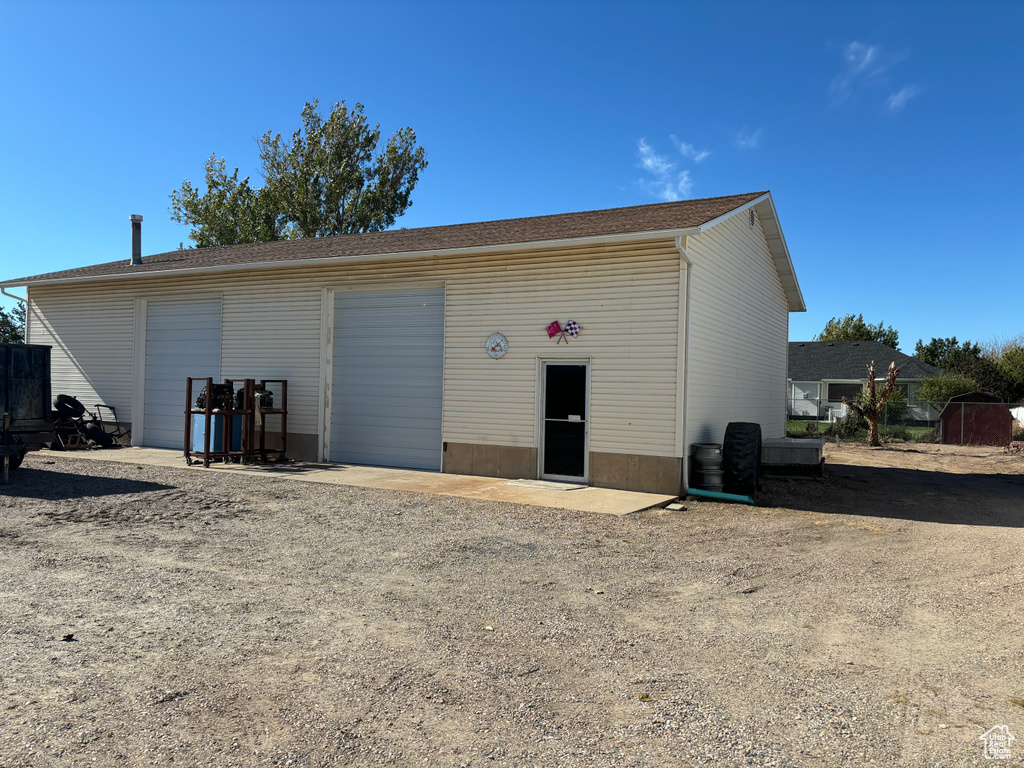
{"x":51,"y":485}
{"x":905,"y":494}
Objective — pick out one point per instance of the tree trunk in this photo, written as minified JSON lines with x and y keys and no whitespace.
{"x":873,"y":436}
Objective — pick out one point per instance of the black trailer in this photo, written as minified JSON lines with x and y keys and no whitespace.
{"x":27,"y":422}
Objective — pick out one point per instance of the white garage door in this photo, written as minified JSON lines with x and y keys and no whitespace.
{"x":182,"y":339}
{"x":387,"y":378}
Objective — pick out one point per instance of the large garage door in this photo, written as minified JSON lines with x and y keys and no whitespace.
{"x":387,"y":378}
{"x":182,"y":339}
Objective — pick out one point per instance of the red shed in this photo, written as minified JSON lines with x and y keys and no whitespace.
{"x":976,"y":418}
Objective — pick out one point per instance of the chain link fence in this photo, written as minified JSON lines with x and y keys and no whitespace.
{"x":953,"y":423}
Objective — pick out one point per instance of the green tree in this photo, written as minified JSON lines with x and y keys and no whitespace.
{"x":1008,"y":355}
{"x":970,"y":361}
{"x":229,"y":212}
{"x":853,"y":328}
{"x":333,"y":177}
{"x":938,"y":389}
{"x":1011,"y":367}
{"x":332,"y":180}
{"x":936,"y":351}
{"x":12,"y":325}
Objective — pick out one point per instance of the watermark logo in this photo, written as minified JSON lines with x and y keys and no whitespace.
{"x":998,"y":743}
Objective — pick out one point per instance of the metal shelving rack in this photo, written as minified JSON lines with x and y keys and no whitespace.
{"x":224,"y":451}
{"x":253,"y":433}
{"x":260,"y":423}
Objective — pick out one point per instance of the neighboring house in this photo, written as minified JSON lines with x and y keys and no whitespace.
{"x":821,"y":373}
{"x":684,"y":309}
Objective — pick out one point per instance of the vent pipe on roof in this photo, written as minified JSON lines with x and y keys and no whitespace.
{"x":136,"y":239}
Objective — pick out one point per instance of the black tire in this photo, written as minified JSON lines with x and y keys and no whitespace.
{"x":741,"y":458}
{"x":16,"y":459}
{"x":95,"y":433}
{"x":66,"y":405}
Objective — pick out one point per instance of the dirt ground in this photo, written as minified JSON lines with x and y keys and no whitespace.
{"x":159,"y":617}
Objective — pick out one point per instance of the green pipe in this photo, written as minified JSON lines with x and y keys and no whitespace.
{"x":718,"y":495}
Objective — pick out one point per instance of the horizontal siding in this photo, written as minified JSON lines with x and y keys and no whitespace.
{"x":625,"y":296}
{"x":627,"y":302}
{"x":739,"y":326}
{"x":92,"y":335}
{"x":271,"y":330}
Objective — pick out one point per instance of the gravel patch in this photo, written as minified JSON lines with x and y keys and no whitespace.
{"x":155,"y":616}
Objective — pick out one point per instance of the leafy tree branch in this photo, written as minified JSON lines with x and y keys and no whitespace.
{"x":853,"y":328}
{"x":333,"y":177}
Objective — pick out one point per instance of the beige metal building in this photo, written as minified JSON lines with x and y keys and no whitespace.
{"x":431,"y":347}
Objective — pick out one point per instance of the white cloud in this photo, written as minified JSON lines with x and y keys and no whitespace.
{"x":867,"y":69}
{"x":748,"y":139}
{"x":670,"y":189}
{"x":859,"y":56}
{"x":898,"y":100}
{"x":666,"y":182}
{"x":689,"y":151}
{"x":652,"y":162}
{"x":864,"y":64}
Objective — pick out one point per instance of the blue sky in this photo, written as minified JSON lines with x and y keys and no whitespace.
{"x":889,"y":134}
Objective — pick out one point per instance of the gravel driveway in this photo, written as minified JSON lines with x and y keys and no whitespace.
{"x":153,"y":616}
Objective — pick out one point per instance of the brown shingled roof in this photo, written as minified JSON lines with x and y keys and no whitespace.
{"x":611,"y":221}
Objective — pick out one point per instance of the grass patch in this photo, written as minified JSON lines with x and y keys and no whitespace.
{"x":799,"y":428}
{"x":817,"y":429}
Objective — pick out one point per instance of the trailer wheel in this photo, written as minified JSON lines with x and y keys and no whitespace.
{"x":17,"y":458}
{"x":66,"y":405}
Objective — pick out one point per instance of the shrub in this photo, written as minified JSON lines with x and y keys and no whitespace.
{"x":931,"y":436}
{"x":895,"y":432}
{"x":852,"y":426}
{"x":940,"y":388}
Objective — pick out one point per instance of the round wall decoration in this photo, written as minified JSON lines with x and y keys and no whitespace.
{"x":496,"y":345}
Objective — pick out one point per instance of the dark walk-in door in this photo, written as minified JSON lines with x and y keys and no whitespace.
{"x":565,"y":422}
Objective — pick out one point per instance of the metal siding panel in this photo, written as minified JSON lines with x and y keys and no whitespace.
{"x":625,"y":295}
{"x":387,"y":378}
{"x":182,"y":339}
{"x":272,"y":331}
{"x":738,"y":354}
{"x":627,"y":303}
{"x":91,"y":334}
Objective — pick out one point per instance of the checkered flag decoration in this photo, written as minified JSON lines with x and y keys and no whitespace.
{"x":572,"y":328}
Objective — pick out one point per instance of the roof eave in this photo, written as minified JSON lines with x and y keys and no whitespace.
{"x":322,"y":260}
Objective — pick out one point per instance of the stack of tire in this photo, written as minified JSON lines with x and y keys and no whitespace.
{"x":741,"y":458}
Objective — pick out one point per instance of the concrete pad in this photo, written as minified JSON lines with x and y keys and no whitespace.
{"x":608,"y":501}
